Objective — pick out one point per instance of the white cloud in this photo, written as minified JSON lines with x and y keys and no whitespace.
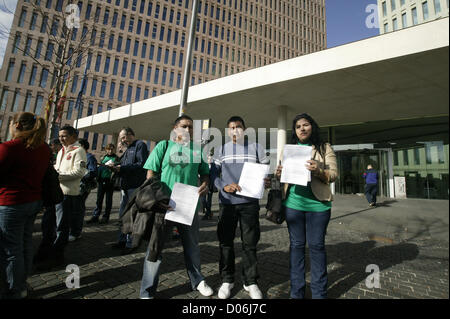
{"x":7,"y":8}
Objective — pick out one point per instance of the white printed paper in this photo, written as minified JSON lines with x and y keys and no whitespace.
{"x":252,"y":180}
{"x":294,"y":161}
{"x":183,"y":200}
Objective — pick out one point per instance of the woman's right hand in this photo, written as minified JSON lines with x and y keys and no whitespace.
{"x":278,"y":171}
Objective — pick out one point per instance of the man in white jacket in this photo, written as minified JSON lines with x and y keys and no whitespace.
{"x":71,"y":166}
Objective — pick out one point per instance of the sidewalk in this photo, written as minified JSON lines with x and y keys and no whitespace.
{"x":408,"y":240}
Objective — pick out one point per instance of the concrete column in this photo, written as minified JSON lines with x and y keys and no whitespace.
{"x":282,"y":128}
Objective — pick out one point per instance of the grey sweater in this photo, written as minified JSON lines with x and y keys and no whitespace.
{"x":227,"y":166}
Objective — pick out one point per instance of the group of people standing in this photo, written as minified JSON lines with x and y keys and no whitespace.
{"x":24,"y":159}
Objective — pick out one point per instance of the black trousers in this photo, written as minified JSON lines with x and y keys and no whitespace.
{"x":247,"y":215}
{"x":370,"y":190}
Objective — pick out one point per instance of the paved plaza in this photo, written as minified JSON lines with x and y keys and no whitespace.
{"x":406,"y":239}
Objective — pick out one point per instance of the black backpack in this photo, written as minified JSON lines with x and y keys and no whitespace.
{"x":52,"y":193}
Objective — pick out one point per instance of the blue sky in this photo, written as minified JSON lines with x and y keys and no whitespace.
{"x":346,"y":21}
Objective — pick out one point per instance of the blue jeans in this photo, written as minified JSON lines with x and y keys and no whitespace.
{"x":16,"y":246}
{"x":308,"y":227}
{"x":191,"y":250}
{"x":126,"y":194}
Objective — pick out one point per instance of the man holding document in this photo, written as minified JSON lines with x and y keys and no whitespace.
{"x":179,"y":162}
{"x":239,"y":176}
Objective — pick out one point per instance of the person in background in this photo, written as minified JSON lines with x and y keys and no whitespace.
{"x":105,"y":185}
{"x":132,"y":175}
{"x":87,"y":184}
{"x":308,"y":210}
{"x":55,"y":146}
{"x":371,"y":187}
{"x":23,"y":163}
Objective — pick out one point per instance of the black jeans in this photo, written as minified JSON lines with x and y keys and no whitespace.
{"x":248,"y":217}
{"x":371,"y":193}
{"x":105,"y":187}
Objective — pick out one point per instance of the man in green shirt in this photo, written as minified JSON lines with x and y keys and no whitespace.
{"x":179,"y":160}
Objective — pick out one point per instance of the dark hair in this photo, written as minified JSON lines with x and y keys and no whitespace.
{"x":84,"y":142}
{"x":315,"y":134}
{"x":32,"y":129}
{"x":182,"y":117}
{"x":128,"y":130}
{"x":236,"y":119}
{"x":110,"y":146}
{"x":55,"y":141}
{"x":70,"y":129}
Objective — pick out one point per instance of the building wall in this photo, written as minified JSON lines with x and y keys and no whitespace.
{"x":398,"y":14}
{"x":426,"y":170}
{"x":231,"y":36}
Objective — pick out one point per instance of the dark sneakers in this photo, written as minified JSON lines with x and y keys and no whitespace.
{"x":94,"y":219}
{"x":104,"y":220}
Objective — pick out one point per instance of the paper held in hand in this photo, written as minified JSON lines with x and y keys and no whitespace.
{"x":252,"y":180}
{"x":183,"y":200}
{"x":294,"y":161}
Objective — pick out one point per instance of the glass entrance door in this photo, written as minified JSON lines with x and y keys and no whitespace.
{"x":351,"y":166}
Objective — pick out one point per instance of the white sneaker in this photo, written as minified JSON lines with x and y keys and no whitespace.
{"x":225,"y":290}
{"x":254,"y":291}
{"x":73,"y":238}
{"x":204,"y":289}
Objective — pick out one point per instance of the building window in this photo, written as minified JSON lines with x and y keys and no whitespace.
{"x":90,"y":109}
{"x":116,"y":66}
{"x":121,"y":88}
{"x":38,"y":106}
{"x":124,"y":68}
{"x":414,"y":15}
{"x":103,"y":89}
{"x":21,"y":73}
{"x":94,"y":141}
{"x":425,"y":10}
{"x":129,"y":92}
{"x":27,"y":104}
{"x":111,"y":90}
{"x":106,"y":68}
{"x":93,"y":87}
{"x":70,"y":110}
{"x":149,"y":72}
{"x":437,"y":6}
{"x":405,"y":158}
{"x":22,"y":18}
{"x":133,"y":67}
{"x":15,"y":105}
{"x":395,"y":155}
{"x":394,"y":24}
{"x":44,"y":78}
{"x":32,"y":75}
{"x":392,"y":5}
{"x":416,"y":156}
{"x":404,"y":21}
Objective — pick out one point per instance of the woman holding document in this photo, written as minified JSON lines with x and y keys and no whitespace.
{"x":308,"y":207}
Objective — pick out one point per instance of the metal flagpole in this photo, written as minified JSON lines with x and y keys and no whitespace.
{"x":187,"y":65}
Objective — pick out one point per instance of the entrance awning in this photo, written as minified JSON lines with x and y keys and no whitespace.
{"x":398,"y":75}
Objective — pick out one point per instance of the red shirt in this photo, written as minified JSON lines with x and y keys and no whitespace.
{"x":21,"y":172}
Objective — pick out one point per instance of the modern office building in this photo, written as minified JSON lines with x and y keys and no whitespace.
{"x":399,"y":14}
{"x":138,"y":49}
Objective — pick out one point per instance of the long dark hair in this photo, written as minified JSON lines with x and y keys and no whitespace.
{"x":314,"y":139}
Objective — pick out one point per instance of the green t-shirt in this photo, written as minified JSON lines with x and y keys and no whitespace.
{"x":180,"y":164}
{"x":105,"y":172}
{"x":302,"y":198}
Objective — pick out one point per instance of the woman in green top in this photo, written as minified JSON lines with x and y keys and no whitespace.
{"x":308,"y":210}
